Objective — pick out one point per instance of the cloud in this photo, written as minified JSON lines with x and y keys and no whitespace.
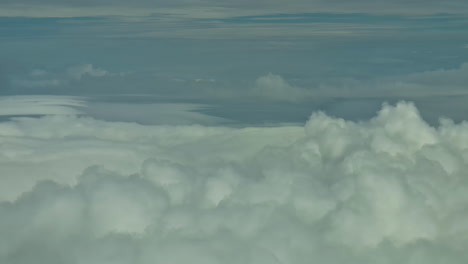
{"x":201,"y":80}
{"x":152,"y":113}
{"x":274,"y":87}
{"x":39,"y":79}
{"x":79,"y":190}
{"x":40,"y":105}
{"x":79,"y":71}
{"x":225,"y":23}
{"x":455,"y":77}
{"x":210,"y":8}
{"x":436,"y":82}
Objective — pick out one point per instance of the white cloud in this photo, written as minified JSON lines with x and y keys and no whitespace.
{"x":391,"y":189}
{"x":160,"y":113}
{"x":274,"y":87}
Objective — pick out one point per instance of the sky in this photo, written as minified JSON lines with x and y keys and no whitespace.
{"x":292,"y":57}
{"x":183,"y":131}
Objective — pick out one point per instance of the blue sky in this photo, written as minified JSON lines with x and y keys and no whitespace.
{"x":215,"y":52}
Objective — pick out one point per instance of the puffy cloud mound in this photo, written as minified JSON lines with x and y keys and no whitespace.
{"x":389,"y":190}
{"x":274,"y":87}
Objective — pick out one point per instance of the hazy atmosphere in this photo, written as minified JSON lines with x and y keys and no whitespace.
{"x":212,"y":132}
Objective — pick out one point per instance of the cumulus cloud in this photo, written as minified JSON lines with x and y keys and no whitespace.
{"x":78,"y":190}
{"x":274,"y":87}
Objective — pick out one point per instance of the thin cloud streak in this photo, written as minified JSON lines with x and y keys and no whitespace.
{"x":222,"y":9}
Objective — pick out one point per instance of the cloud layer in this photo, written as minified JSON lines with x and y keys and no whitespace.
{"x":78,"y":190}
{"x":40,"y":105}
{"x":210,"y":8}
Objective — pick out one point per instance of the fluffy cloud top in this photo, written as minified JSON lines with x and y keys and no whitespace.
{"x":79,"y":190}
{"x":274,"y":87}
